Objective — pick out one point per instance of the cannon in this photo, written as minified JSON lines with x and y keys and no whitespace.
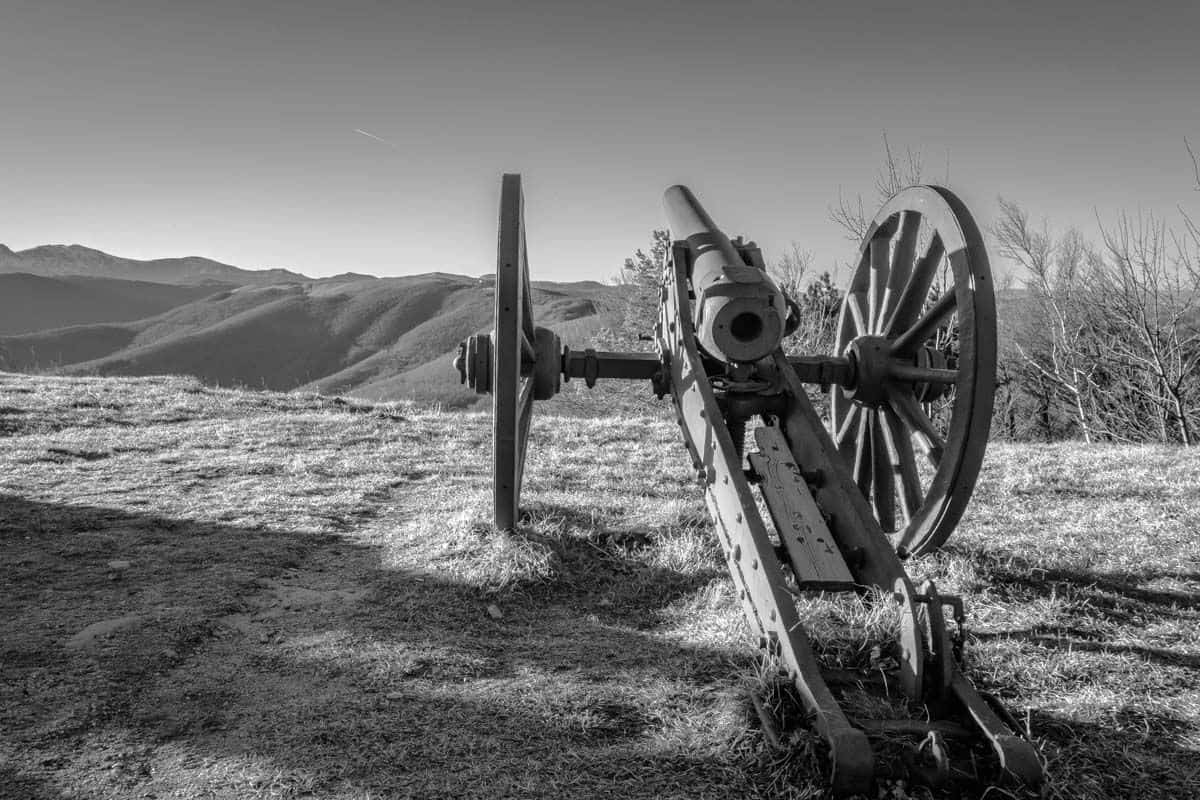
{"x":886,"y":477}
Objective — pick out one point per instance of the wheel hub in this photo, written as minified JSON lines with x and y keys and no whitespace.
{"x":869,"y":357}
{"x":474,"y":362}
{"x":928,"y":357}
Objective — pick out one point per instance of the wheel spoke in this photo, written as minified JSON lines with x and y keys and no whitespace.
{"x":836,"y":405}
{"x":526,"y":291}
{"x":912,"y":298}
{"x":878,"y":284}
{"x":850,"y":320}
{"x":902,"y":266}
{"x":524,"y":413}
{"x":862,"y":455}
{"x":883,"y":495}
{"x":848,"y":423}
{"x":905,"y":461}
{"x":902,"y":401}
{"x":856,"y":314}
{"x":926,"y":326}
{"x":848,"y":444}
{"x":528,"y":353}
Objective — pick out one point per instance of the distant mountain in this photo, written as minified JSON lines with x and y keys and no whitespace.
{"x":379,"y":338}
{"x":33,"y":302}
{"x":53,"y":260}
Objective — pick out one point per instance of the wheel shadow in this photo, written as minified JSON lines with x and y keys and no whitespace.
{"x":1131,"y":751}
{"x":1144,"y":749}
{"x":1114,"y":597}
{"x":1120,"y":595}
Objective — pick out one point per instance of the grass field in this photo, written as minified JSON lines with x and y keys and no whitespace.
{"x":219,"y":594}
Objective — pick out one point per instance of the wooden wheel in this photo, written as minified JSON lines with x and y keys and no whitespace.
{"x":516,"y":363}
{"x":512,"y":343}
{"x":918,"y":325}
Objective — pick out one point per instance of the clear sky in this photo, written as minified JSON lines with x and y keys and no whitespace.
{"x":227,"y":129}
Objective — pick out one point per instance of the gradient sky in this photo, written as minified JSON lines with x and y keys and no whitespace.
{"x":227,"y":129}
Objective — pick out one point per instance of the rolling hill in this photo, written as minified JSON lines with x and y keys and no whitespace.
{"x":379,"y":338}
{"x":31,"y":303}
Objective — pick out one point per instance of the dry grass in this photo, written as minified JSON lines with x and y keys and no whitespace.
{"x":314,"y":607}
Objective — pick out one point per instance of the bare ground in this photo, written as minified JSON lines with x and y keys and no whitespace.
{"x":226,"y":594}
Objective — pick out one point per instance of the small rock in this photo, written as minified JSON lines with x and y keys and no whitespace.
{"x":169,"y":653}
{"x":494,"y":611}
{"x":394,"y":695}
{"x":89,"y":635}
{"x":119,"y":564}
{"x":604,"y":601}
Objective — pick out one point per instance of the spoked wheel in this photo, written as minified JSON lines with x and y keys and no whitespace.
{"x":518,"y":363}
{"x":513,"y":337}
{"x":918,"y":325}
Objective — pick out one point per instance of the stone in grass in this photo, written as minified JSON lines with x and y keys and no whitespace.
{"x":119,"y":564}
{"x":88,"y":636}
{"x":494,"y":611}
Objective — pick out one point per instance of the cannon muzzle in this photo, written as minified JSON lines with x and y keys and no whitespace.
{"x":739,"y":312}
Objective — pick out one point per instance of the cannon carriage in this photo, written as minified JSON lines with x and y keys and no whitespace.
{"x":848,"y":498}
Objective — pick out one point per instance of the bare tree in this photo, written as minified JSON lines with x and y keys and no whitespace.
{"x":1195,"y":164}
{"x":1149,"y":286}
{"x":791,"y":272}
{"x":1114,"y":331}
{"x":1058,"y":348}
{"x":894,"y":175}
{"x":817,"y":301}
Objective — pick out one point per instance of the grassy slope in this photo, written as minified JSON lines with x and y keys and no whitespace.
{"x":33,"y":303}
{"x":305,"y":611}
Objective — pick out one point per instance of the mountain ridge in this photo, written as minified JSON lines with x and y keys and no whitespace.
{"x":54,"y":260}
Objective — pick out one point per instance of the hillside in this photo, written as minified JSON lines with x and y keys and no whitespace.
{"x":53,"y":260}
{"x":31,"y":303}
{"x":226,"y":594}
{"x":379,"y":338}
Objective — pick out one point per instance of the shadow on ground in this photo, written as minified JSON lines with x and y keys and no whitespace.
{"x":233,"y":662}
{"x":1123,"y":750}
{"x":247,"y":662}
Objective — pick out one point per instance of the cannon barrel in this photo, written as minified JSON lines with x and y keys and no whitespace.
{"x":739,"y":312}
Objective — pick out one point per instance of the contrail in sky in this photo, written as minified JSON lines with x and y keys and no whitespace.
{"x":376,"y":138}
